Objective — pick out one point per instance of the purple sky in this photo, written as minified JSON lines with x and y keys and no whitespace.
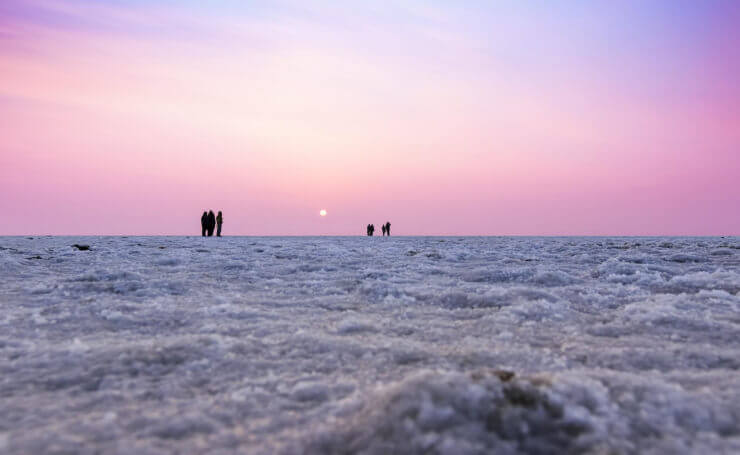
{"x":533,"y":118}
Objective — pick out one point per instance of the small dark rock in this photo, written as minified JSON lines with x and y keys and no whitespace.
{"x":82,"y":247}
{"x":504,"y":375}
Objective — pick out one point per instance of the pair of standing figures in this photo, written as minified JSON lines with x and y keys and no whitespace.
{"x":386,"y":228}
{"x":209,"y":222}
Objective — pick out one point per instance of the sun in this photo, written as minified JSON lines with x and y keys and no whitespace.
{"x":322,"y":212}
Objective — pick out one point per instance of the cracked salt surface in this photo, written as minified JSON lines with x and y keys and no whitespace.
{"x":153,"y":345}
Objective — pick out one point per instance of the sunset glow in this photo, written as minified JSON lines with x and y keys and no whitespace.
{"x":132,"y":117}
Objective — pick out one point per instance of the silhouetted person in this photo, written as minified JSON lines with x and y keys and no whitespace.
{"x":388,"y":228}
{"x":382,"y":228}
{"x":219,"y":222}
{"x":367,"y":230}
{"x":211,"y":223}
{"x":372,"y":230}
{"x":204,"y":223}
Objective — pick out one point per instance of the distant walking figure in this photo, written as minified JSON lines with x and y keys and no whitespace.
{"x":372,"y":230}
{"x":211,"y":223}
{"x":367,"y":230}
{"x":219,"y":222}
{"x":382,"y":228}
{"x":388,"y":228}
{"x":204,"y":223}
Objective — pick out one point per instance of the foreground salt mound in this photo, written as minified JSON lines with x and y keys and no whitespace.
{"x":482,"y":412}
{"x":496,"y":411}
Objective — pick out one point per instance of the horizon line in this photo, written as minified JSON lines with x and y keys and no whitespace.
{"x":403,"y":236}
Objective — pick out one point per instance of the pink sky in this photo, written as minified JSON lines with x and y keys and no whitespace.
{"x":133,"y":117}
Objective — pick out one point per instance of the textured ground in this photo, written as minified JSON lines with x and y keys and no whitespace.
{"x":369,"y":345}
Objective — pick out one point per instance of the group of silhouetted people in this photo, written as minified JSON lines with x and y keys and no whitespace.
{"x":210,"y":222}
{"x":386,"y":228}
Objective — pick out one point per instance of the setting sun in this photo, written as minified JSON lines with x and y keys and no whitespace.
{"x":322,"y":212}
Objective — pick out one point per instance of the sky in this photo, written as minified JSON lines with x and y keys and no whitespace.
{"x":444,"y":118}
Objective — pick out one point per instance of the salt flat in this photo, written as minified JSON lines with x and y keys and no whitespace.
{"x":369,"y":345}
